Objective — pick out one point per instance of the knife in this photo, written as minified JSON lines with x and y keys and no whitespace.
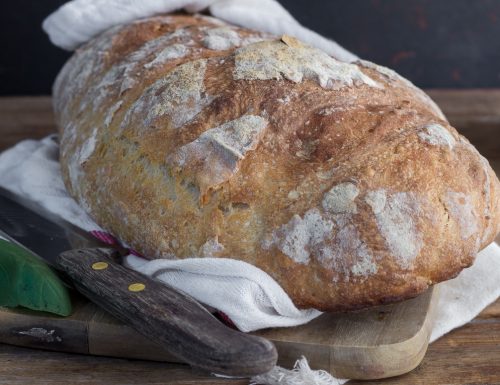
{"x":166,"y":316}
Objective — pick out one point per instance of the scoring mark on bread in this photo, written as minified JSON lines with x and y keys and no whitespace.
{"x":111,"y":113}
{"x":437,"y":135}
{"x":488,"y":226}
{"x":80,"y":70}
{"x":216,"y":154}
{"x":178,"y":95}
{"x":277,"y":60}
{"x":126,"y":73}
{"x":76,"y":162}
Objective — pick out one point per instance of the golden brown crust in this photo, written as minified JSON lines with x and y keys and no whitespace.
{"x":185,"y":137}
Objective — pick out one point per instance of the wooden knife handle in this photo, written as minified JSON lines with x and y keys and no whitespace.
{"x":171,"y":318}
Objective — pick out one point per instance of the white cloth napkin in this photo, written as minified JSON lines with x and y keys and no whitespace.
{"x":77,"y":21}
{"x":250,"y":297}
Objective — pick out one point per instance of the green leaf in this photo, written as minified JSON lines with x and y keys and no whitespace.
{"x":27,"y":281}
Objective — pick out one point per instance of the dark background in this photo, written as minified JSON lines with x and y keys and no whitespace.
{"x":434,"y":43}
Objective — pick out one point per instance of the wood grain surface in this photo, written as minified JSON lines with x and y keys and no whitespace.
{"x":468,"y":355}
{"x":374,"y":343}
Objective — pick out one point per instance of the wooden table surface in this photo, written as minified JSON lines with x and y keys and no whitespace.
{"x":468,"y":355}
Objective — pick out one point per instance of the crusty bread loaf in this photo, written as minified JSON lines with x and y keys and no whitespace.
{"x":186,"y":137}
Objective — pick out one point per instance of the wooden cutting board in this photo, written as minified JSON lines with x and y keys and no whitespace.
{"x":377,"y":343}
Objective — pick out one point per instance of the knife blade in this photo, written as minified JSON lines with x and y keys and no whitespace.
{"x":169,"y":317}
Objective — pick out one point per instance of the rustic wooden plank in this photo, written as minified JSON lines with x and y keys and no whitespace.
{"x":468,"y":355}
{"x":476,"y":114}
{"x":20,"y":366}
{"x":25,"y":117}
{"x":469,"y":104}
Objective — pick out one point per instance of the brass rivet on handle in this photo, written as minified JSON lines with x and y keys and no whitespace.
{"x":100,"y":266}
{"x":135,"y":287}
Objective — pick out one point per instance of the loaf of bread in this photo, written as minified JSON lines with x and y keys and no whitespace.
{"x":186,"y":137}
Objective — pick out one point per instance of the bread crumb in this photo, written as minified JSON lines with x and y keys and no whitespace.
{"x":291,"y":41}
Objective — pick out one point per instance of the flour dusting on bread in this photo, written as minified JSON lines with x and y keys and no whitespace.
{"x":462,"y":211}
{"x":397,"y":224}
{"x":221,"y":39}
{"x":346,"y":254}
{"x":215,"y":155}
{"x":340,"y":199}
{"x":175,"y":51}
{"x":376,"y":200}
{"x":76,"y":162}
{"x":126,"y":73}
{"x":74,"y":78}
{"x":211,"y":248}
{"x":88,"y":147}
{"x":437,"y":135}
{"x":275,"y":60}
{"x":347,"y":242}
{"x":111,"y":113}
{"x":301,"y":237}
